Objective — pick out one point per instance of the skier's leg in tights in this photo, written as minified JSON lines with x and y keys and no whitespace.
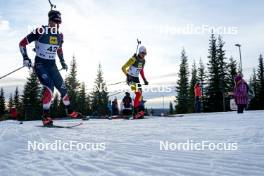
{"x":61,"y":87}
{"x":47,"y":82}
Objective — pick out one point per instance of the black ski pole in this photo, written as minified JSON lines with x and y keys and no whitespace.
{"x":116,"y":83}
{"x":115,"y":94}
{"x":138,"y":43}
{"x":51,"y":5}
{"x":11,"y":72}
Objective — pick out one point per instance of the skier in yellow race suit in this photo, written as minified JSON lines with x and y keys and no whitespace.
{"x":132,"y":68}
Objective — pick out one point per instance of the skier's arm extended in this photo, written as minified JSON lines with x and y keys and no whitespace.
{"x":128,"y":64}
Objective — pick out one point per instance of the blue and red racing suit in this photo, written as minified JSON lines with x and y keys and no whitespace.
{"x":47,"y":45}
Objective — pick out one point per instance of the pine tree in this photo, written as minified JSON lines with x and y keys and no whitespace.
{"x":82,"y":100}
{"x":253,"y":105}
{"x":194,"y":80}
{"x":171,"y":108}
{"x":10,"y":103}
{"x":230,"y":83}
{"x":222,"y":70}
{"x":260,"y":83}
{"x":32,"y":98}
{"x":17,"y":100}
{"x":232,"y":72}
{"x":99,"y":95}
{"x":215,"y":92}
{"x":2,"y":102}
{"x":182,"y":98}
{"x":202,"y":80}
{"x":201,"y":75}
{"x":73,"y":84}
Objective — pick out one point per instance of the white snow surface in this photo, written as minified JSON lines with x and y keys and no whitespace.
{"x":132,"y":147}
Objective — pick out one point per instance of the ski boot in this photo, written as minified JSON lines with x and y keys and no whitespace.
{"x":76,"y":115}
{"x":47,"y":120}
{"x":139,"y":115}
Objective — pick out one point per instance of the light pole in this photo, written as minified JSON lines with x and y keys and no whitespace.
{"x":163,"y":105}
{"x":239,"y":47}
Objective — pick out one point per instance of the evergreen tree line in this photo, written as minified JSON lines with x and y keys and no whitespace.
{"x":216,"y":80}
{"x":29,"y":104}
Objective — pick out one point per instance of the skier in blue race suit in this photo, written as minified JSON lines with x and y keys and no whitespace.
{"x":48,"y":42}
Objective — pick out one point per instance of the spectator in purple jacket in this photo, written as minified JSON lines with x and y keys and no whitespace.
{"x":241,"y":93}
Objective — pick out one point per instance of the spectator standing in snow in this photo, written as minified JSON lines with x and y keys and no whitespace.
{"x":127,"y":105}
{"x":115,"y":107}
{"x":14,"y":114}
{"x":241,"y":93}
{"x":109,"y":106}
{"x":198,"y":95}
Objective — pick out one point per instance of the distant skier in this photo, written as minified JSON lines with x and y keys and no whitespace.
{"x":127,"y":105}
{"x":198,"y":95}
{"x":48,"y":42}
{"x":132,"y":68}
{"x":115,"y":107}
{"x":241,"y":93}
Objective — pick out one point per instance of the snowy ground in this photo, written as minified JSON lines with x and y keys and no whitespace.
{"x":133,"y":147}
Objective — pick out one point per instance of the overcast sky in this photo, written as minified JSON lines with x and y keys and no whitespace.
{"x":105,"y":31}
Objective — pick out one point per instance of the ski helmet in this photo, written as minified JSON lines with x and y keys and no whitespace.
{"x":55,"y":16}
{"x":142,"y":49}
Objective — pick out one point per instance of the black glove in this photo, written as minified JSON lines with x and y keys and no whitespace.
{"x":135,"y":55}
{"x":64,"y":65}
{"x":27,"y":62}
{"x":146,"y":82}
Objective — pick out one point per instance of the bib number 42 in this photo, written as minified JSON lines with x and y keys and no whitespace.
{"x":52,"y":48}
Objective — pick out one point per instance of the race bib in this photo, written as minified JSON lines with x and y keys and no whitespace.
{"x":47,"y":51}
{"x":134,"y":71}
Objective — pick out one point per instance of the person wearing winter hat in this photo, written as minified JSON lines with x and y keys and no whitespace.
{"x":127,"y":105}
{"x":132,"y":68}
{"x":48,"y":43}
{"x":241,"y":93}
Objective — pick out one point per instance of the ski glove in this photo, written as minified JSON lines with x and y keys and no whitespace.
{"x":64,"y":65}
{"x":27,"y":62}
{"x":146,"y":82}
